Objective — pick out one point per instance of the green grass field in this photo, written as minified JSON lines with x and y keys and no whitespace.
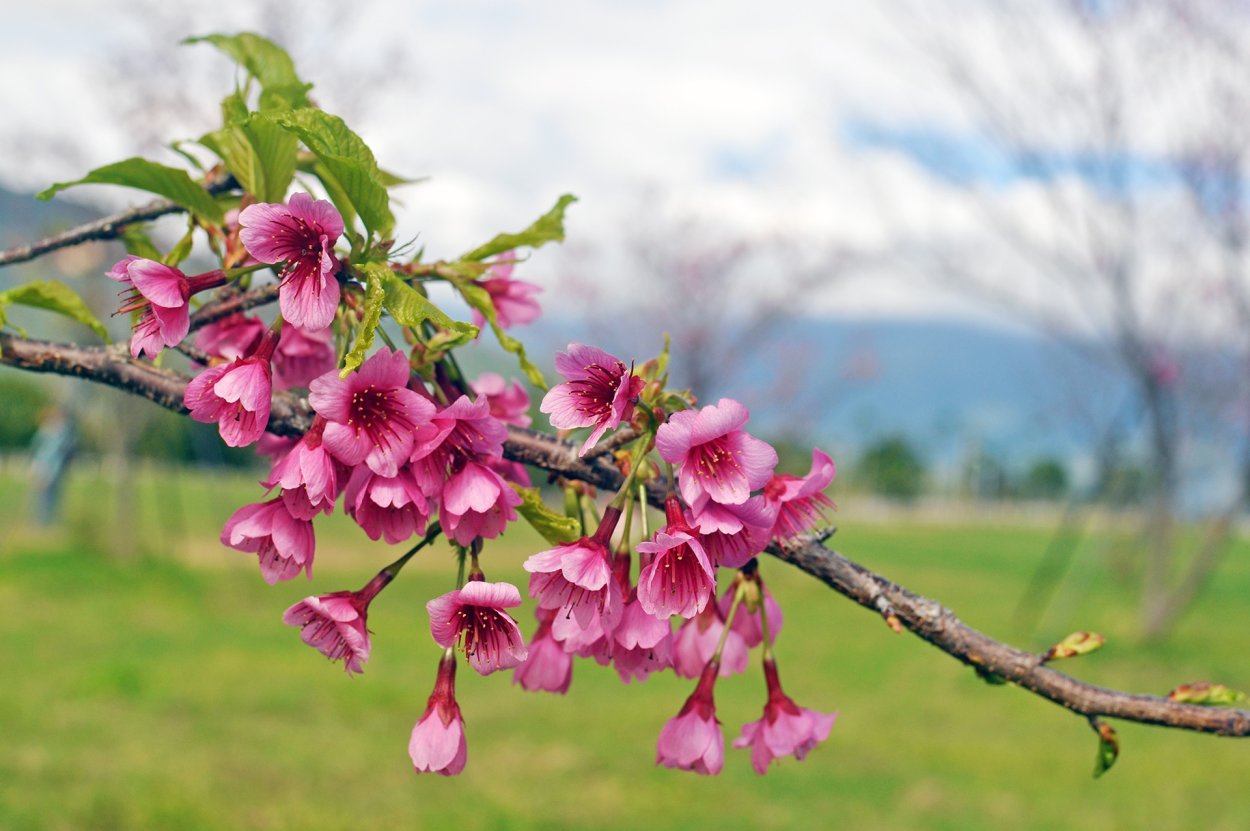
{"x":161,"y":690}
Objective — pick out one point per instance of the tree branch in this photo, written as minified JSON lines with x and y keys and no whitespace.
{"x":926,"y":618}
{"x":109,"y":227}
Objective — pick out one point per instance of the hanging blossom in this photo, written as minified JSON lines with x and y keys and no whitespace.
{"x":641,"y":643}
{"x":284,"y":544}
{"x":232,"y":337}
{"x":680,"y":578}
{"x":547,"y":667}
{"x":160,"y":293}
{"x":308,"y":475}
{"x":600,"y":392}
{"x":512,"y":299}
{"x":301,"y":234}
{"x":733,"y":534}
{"x":372,"y":414}
{"x":302,"y":355}
{"x":476,"y":502}
{"x":576,"y":580}
{"x":474,"y":617}
{"x":719,"y":460}
{"x":437,"y":744}
{"x":509,"y":403}
{"x":800,"y":502}
{"x":461,"y":432}
{"x":696,"y":640}
{"x":235,"y":395}
{"x":748,"y":624}
{"x":692,"y":739}
{"x":335,"y":624}
{"x":386,"y":507}
{"x":785,"y":729}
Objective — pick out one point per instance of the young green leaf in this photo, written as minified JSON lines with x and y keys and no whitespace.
{"x":1078,"y":643}
{"x":374,"y":297}
{"x":411,"y":308}
{"x":259,"y":153}
{"x":553,"y":527}
{"x":170,"y":182}
{"x":1207,"y":694}
{"x":347,"y":160}
{"x":547,"y":228}
{"x":138,"y":243}
{"x":1108,"y":747}
{"x":480,"y":299}
{"x":57,"y":298}
{"x":264,"y":60}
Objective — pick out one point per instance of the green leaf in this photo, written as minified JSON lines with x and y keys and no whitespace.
{"x":181,"y":249}
{"x":170,"y":182}
{"x":555,"y":528}
{"x":1078,"y":643}
{"x":138,"y":243}
{"x":264,"y":60}
{"x":479,"y":298}
{"x":259,"y":153}
{"x":1108,"y":748}
{"x":547,"y":228}
{"x":54,"y":297}
{"x":375,"y":294}
{"x":411,"y":308}
{"x":347,"y":160}
{"x":1207,"y":694}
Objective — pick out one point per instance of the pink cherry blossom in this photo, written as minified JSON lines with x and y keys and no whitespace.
{"x":512,"y":299}
{"x":232,"y":337}
{"x":747,"y":623}
{"x":387,"y":507}
{"x":308,"y":475}
{"x":372,"y":414}
{"x":159,"y":293}
{"x":476,"y":502}
{"x":692,"y":740}
{"x":302,"y":355}
{"x":235,"y":395}
{"x":600,"y":392}
{"x":800,"y":503}
{"x":680,"y":578}
{"x":474,"y":617}
{"x":284,"y":544}
{"x":718,"y":459}
{"x":508,"y":403}
{"x":548,"y":667}
{"x":463,"y":431}
{"x":437,"y":744}
{"x":576,"y":579}
{"x":641,"y":643}
{"x":696,"y":640}
{"x":785,"y":729}
{"x":733,"y":534}
{"x":301,"y":234}
{"x":335,"y":624}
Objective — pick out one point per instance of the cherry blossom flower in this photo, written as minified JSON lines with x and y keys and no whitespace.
{"x":461,"y":432}
{"x":680,"y":578}
{"x":747,"y":623}
{"x":800,"y":502}
{"x":641,"y":643}
{"x":388,"y":507}
{"x":548,"y":667}
{"x":284,"y":544}
{"x":733,"y":534}
{"x":785,"y":729}
{"x":474,"y":616}
{"x":696,"y":640}
{"x":476,"y":502}
{"x":235,"y":395}
{"x":301,"y":234}
{"x":372,"y":414}
{"x":302,"y":355}
{"x":160,"y":293}
{"x":576,"y":579}
{"x":718,"y":459}
{"x":692,"y":739}
{"x":508,"y":403}
{"x":308,"y":475}
{"x":437,"y":744}
{"x":232,"y":337}
{"x":600,"y":392}
{"x":512,"y":299}
{"x":334,"y":624}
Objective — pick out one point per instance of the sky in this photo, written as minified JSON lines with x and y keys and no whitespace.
{"x":831,"y":124}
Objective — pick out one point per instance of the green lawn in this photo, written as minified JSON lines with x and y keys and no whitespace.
{"x":161,"y":690}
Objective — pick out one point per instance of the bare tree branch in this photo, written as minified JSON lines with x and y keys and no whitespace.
{"x":926,"y":618}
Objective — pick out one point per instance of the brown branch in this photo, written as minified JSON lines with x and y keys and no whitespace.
{"x":233,"y":302}
{"x":928,"y":619}
{"x":106,"y":228}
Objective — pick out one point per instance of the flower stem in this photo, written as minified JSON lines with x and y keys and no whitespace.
{"x":739,"y":593}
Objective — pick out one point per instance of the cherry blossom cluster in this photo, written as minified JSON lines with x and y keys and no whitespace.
{"x":415,"y":451}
